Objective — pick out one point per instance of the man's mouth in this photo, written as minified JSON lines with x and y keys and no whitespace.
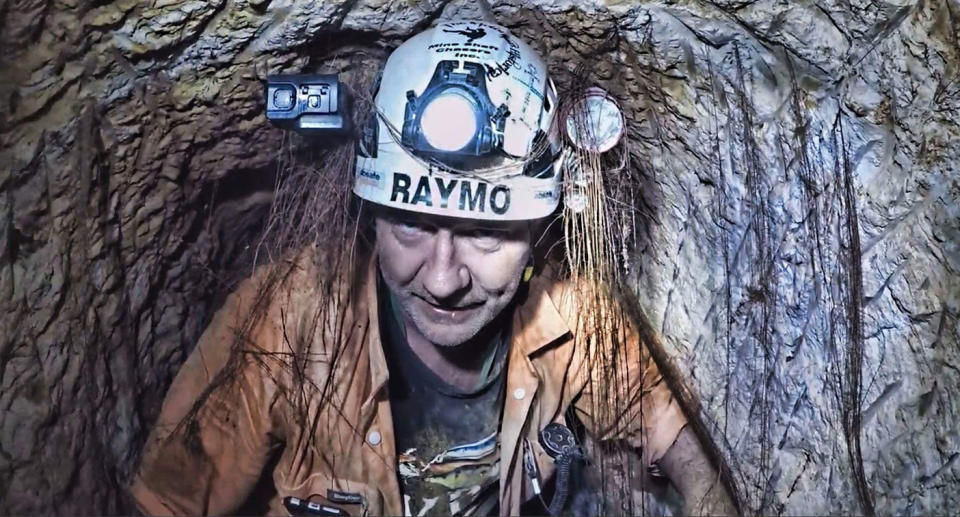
{"x":452,"y":314}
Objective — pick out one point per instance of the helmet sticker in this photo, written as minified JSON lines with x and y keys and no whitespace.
{"x":471,"y":40}
{"x":470,"y":33}
{"x":511,"y":61}
{"x":471,"y":195}
{"x":459,"y":41}
{"x":370,"y":178}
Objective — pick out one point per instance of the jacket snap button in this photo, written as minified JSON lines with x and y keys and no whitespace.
{"x":373,"y":438}
{"x":519,"y":393}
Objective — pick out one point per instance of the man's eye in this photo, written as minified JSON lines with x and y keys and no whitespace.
{"x":487,"y":232}
{"x":486,"y":238}
{"x":411,"y":227}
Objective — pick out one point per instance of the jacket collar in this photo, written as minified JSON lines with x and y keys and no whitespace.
{"x":368,"y":318}
{"x":538,"y":320}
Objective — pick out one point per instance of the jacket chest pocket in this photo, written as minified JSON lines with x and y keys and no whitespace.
{"x":330,"y":495}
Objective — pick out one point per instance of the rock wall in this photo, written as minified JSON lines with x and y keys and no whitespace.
{"x":801,"y":261}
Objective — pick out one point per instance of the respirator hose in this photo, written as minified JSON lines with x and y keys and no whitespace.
{"x":563,"y":483}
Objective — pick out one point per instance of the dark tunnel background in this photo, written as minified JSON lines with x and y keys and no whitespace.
{"x":800,"y":259}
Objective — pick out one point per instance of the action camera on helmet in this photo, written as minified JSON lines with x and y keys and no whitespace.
{"x":307,"y":103}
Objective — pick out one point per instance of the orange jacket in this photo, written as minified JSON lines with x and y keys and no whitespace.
{"x":344,"y":440}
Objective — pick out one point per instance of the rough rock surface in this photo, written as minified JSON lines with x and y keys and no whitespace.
{"x":801,"y":261}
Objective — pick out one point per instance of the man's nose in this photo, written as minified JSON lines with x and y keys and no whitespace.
{"x":445,"y":274}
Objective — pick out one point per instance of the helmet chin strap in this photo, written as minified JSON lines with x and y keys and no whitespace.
{"x":528,"y":272}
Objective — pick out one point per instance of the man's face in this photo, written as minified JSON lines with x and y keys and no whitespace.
{"x":450,"y":276}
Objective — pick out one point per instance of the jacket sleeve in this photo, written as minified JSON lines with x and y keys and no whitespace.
{"x":625,"y":397}
{"x":207,"y":459}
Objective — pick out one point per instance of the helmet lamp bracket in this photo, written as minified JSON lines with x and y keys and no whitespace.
{"x":467,"y":82}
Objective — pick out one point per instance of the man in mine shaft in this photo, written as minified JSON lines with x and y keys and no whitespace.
{"x":437,"y":361}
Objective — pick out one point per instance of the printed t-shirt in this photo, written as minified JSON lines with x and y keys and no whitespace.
{"x":447,"y":438}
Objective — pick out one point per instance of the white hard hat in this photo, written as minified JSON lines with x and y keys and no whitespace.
{"x":462,"y":127}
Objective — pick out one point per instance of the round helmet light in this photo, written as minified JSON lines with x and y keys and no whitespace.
{"x":596,"y":123}
{"x":449,"y":122}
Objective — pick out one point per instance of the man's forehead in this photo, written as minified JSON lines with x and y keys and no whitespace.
{"x":443,"y":221}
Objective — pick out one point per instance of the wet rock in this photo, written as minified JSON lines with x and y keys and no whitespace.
{"x":799,"y":254}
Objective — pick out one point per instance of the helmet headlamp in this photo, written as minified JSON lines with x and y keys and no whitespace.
{"x":449,"y":121}
{"x":454,"y":115}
